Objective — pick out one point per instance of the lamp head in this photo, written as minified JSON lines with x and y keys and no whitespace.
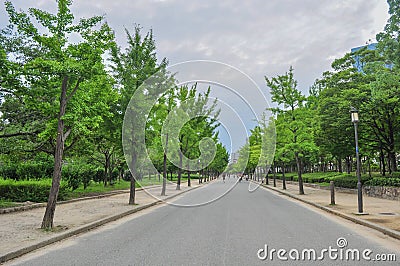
{"x":354,"y":115}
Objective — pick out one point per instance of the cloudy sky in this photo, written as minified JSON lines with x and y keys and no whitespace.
{"x":259,"y":37}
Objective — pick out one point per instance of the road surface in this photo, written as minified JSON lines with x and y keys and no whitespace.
{"x":240,"y":228}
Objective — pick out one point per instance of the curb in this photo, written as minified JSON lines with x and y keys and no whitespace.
{"x":84,"y":228}
{"x":386,"y":231}
{"x":44,"y":204}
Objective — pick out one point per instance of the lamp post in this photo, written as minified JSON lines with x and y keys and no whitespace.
{"x":355,"y":120}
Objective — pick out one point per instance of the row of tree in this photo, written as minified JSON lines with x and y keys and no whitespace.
{"x":66,"y":89}
{"x":315,"y":132}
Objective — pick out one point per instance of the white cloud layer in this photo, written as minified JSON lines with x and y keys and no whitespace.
{"x":260,"y":37}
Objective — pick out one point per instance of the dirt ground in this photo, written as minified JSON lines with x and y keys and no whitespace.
{"x":21,"y":229}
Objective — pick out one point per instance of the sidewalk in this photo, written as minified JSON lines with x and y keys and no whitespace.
{"x":20,"y":231}
{"x":383,"y":215}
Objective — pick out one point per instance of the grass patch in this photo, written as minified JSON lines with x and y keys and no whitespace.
{"x":93,"y":189}
{"x":8,"y":204}
{"x":97,"y":189}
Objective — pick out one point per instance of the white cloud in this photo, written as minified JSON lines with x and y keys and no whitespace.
{"x":261,"y":37}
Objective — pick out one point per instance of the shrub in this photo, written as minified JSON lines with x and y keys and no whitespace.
{"x":71,"y":174}
{"x":87,"y":174}
{"x":98,"y":175}
{"x":115,"y":174}
{"x":306,"y":179}
{"x":27,"y":170}
{"x":78,"y":174}
{"x":35,"y":191}
{"x":395,"y":175}
{"x":9,"y":171}
{"x":348,"y":181}
{"x":384,"y":182}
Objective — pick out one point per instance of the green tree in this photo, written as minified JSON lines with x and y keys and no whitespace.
{"x":195,"y":119}
{"x":60,"y":67}
{"x":285,"y":93}
{"x":131,"y":69}
{"x":221,"y":159}
{"x":389,"y":39}
{"x":105,"y":142}
{"x":284,"y":154}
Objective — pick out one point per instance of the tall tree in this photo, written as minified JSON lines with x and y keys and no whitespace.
{"x":285,"y":93}
{"x":193,"y":119}
{"x":131,"y":69}
{"x":61,"y":66}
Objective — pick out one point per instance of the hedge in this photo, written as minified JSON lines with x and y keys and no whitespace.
{"x":311,"y":177}
{"x":27,"y":170}
{"x":75,"y":175}
{"x":35,"y":191}
{"x":384,"y":182}
{"x":348,"y":181}
{"x":340,"y":179}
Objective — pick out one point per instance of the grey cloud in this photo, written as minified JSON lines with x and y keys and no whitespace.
{"x":260,"y":37}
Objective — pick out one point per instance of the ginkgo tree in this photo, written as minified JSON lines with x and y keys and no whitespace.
{"x":57,"y":72}
{"x":290,"y":102}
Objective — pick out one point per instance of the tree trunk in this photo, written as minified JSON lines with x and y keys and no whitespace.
{"x":382,"y":163}
{"x":188,"y":173}
{"x":47,"y":222}
{"x":106,"y":167}
{"x":363,"y":166}
{"x":200,"y":176}
{"x":164,"y":184}
{"x":298,"y":162}
{"x":274,"y":173}
{"x":392,"y":162}
{"x":348,"y":165}
{"x":132,"y":191}
{"x":283,"y":177}
{"x":266,"y":174}
{"x":369,"y":167}
{"x":391,"y":153}
{"x":178,"y":184}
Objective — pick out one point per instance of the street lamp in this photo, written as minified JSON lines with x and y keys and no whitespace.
{"x":355,"y":120}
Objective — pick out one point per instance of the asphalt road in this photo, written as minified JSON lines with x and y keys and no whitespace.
{"x":228,"y":231}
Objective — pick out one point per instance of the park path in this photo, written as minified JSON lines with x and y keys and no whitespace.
{"x":382,"y":212}
{"x":20,"y":233}
{"x":20,"y":230}
{"x":228,"y":230}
